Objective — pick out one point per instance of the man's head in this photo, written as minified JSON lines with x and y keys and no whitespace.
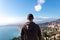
{"x":30,"y":17}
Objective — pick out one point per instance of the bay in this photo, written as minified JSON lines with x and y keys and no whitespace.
{"x":8,"y":32}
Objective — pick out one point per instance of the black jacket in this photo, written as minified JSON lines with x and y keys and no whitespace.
{"x":31,"y":31}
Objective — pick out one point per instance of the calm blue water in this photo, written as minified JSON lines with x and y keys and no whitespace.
{"x":8,"y":32}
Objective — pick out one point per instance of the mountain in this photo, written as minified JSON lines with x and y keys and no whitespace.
{"x":44,"y":20}
{"x":51,"y":23}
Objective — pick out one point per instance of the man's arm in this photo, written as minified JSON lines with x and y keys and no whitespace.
{"x":39,"y":33}
{"x":22,"y":34}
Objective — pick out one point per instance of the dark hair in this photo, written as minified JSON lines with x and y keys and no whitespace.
{"x":30,"y":16}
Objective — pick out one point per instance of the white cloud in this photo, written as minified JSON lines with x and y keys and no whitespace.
{"x":41,"y":1}
{"x":38,"y":7}
{"x":44,"y":17}
{"x":41,"y":18}
{"x":10,"y":20}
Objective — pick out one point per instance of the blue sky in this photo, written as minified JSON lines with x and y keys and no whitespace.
{"x":15,"y":10}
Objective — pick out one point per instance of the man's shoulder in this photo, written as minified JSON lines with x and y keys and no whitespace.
{"x":32,"y":24}
{"x":36,"y":24}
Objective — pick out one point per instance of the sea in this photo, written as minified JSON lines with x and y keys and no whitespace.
{"x":8,"y":32}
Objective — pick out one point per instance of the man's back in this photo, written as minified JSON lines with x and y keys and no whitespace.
{"x":31,"y":31}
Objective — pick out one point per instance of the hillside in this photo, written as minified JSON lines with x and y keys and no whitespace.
{"x":51,"y":23}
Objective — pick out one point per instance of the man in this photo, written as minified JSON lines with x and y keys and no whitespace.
{"x":30,"y":30}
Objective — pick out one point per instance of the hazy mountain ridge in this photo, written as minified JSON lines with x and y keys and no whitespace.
{"x":40,"y":23}
{"x":46,"y":24}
